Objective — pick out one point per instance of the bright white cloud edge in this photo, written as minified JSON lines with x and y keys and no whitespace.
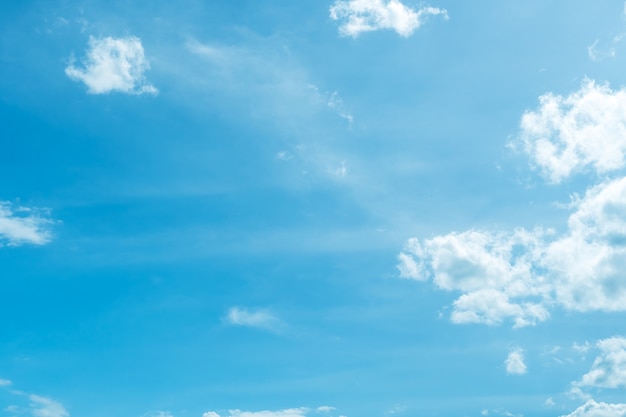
{"x":359,"y":16}
{"x":113,"y":64}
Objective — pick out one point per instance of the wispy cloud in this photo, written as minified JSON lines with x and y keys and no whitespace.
{"x":46,"y":407}
{"x":290,"y":412}
{"x":113,"y":64}
{"x":33,"y":404}
{"x":22,"y":225}
{"x":261,"y":319}
{"x":515,"y":362}
{"x":358,"y":16}
{"x":259,"y":79}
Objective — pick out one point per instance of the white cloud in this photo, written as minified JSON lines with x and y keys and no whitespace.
{"x":494,"y":271}
{"x":595,"y":409}
{"x":291,"y":412}
{"x":325,"y":409}
{"x":585,"y":266}
{"x":358,"y":16}
{"x":520,"y":275}
{"x":515,"y":362}
{"x":20,"y":225}
{"x":45,"y":407}
{"x":261,"y":319}
{"x":113,"y":64}
{"x":609,"y":368}
{"x":586,"y":129}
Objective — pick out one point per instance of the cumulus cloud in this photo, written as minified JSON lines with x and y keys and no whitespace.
{"x":586,"y":129}
{"x":21,"y":225}
{"x":46,"y":407}
{"x":358,"y":16}
{"x":594,"y":409}
{"x":515,"y":362}
{"x":520,"y":275}
{"x":113,"y":64}
{"x":609,"y":367}
{"x":261,"y":319}
{"x":493,"y":271}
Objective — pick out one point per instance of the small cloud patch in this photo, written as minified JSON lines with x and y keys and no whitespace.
{"x":358,"y":16}
{"x":515,"y":362}
{"x":113,"y":64}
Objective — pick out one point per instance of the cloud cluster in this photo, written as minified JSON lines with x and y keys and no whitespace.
{"x":609,"y":367}
{"x":21,"y":225}
{"x":585,"y":129}
{"x":520,"y":275}
{"x":46,"y":407}
{"x":113,"y":64}
{"x":358,"y":16}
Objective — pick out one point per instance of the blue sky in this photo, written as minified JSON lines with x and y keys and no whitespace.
{"x":312,"y":209}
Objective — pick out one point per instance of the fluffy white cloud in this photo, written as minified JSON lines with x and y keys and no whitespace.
{"x":261,"y":319}
{"x":494,"y":271}
{"x":45,"y":407}
{"x":113,"y":64}
{"x":519,"y":275}
{"x":360,"y":16}
{"x":585,"y":129}
{"x":609,"y":368}
{"x":20,"y":225}
{"x":587,"y":265}
{"x":595,"y":409}
{"x":515,"y":362}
